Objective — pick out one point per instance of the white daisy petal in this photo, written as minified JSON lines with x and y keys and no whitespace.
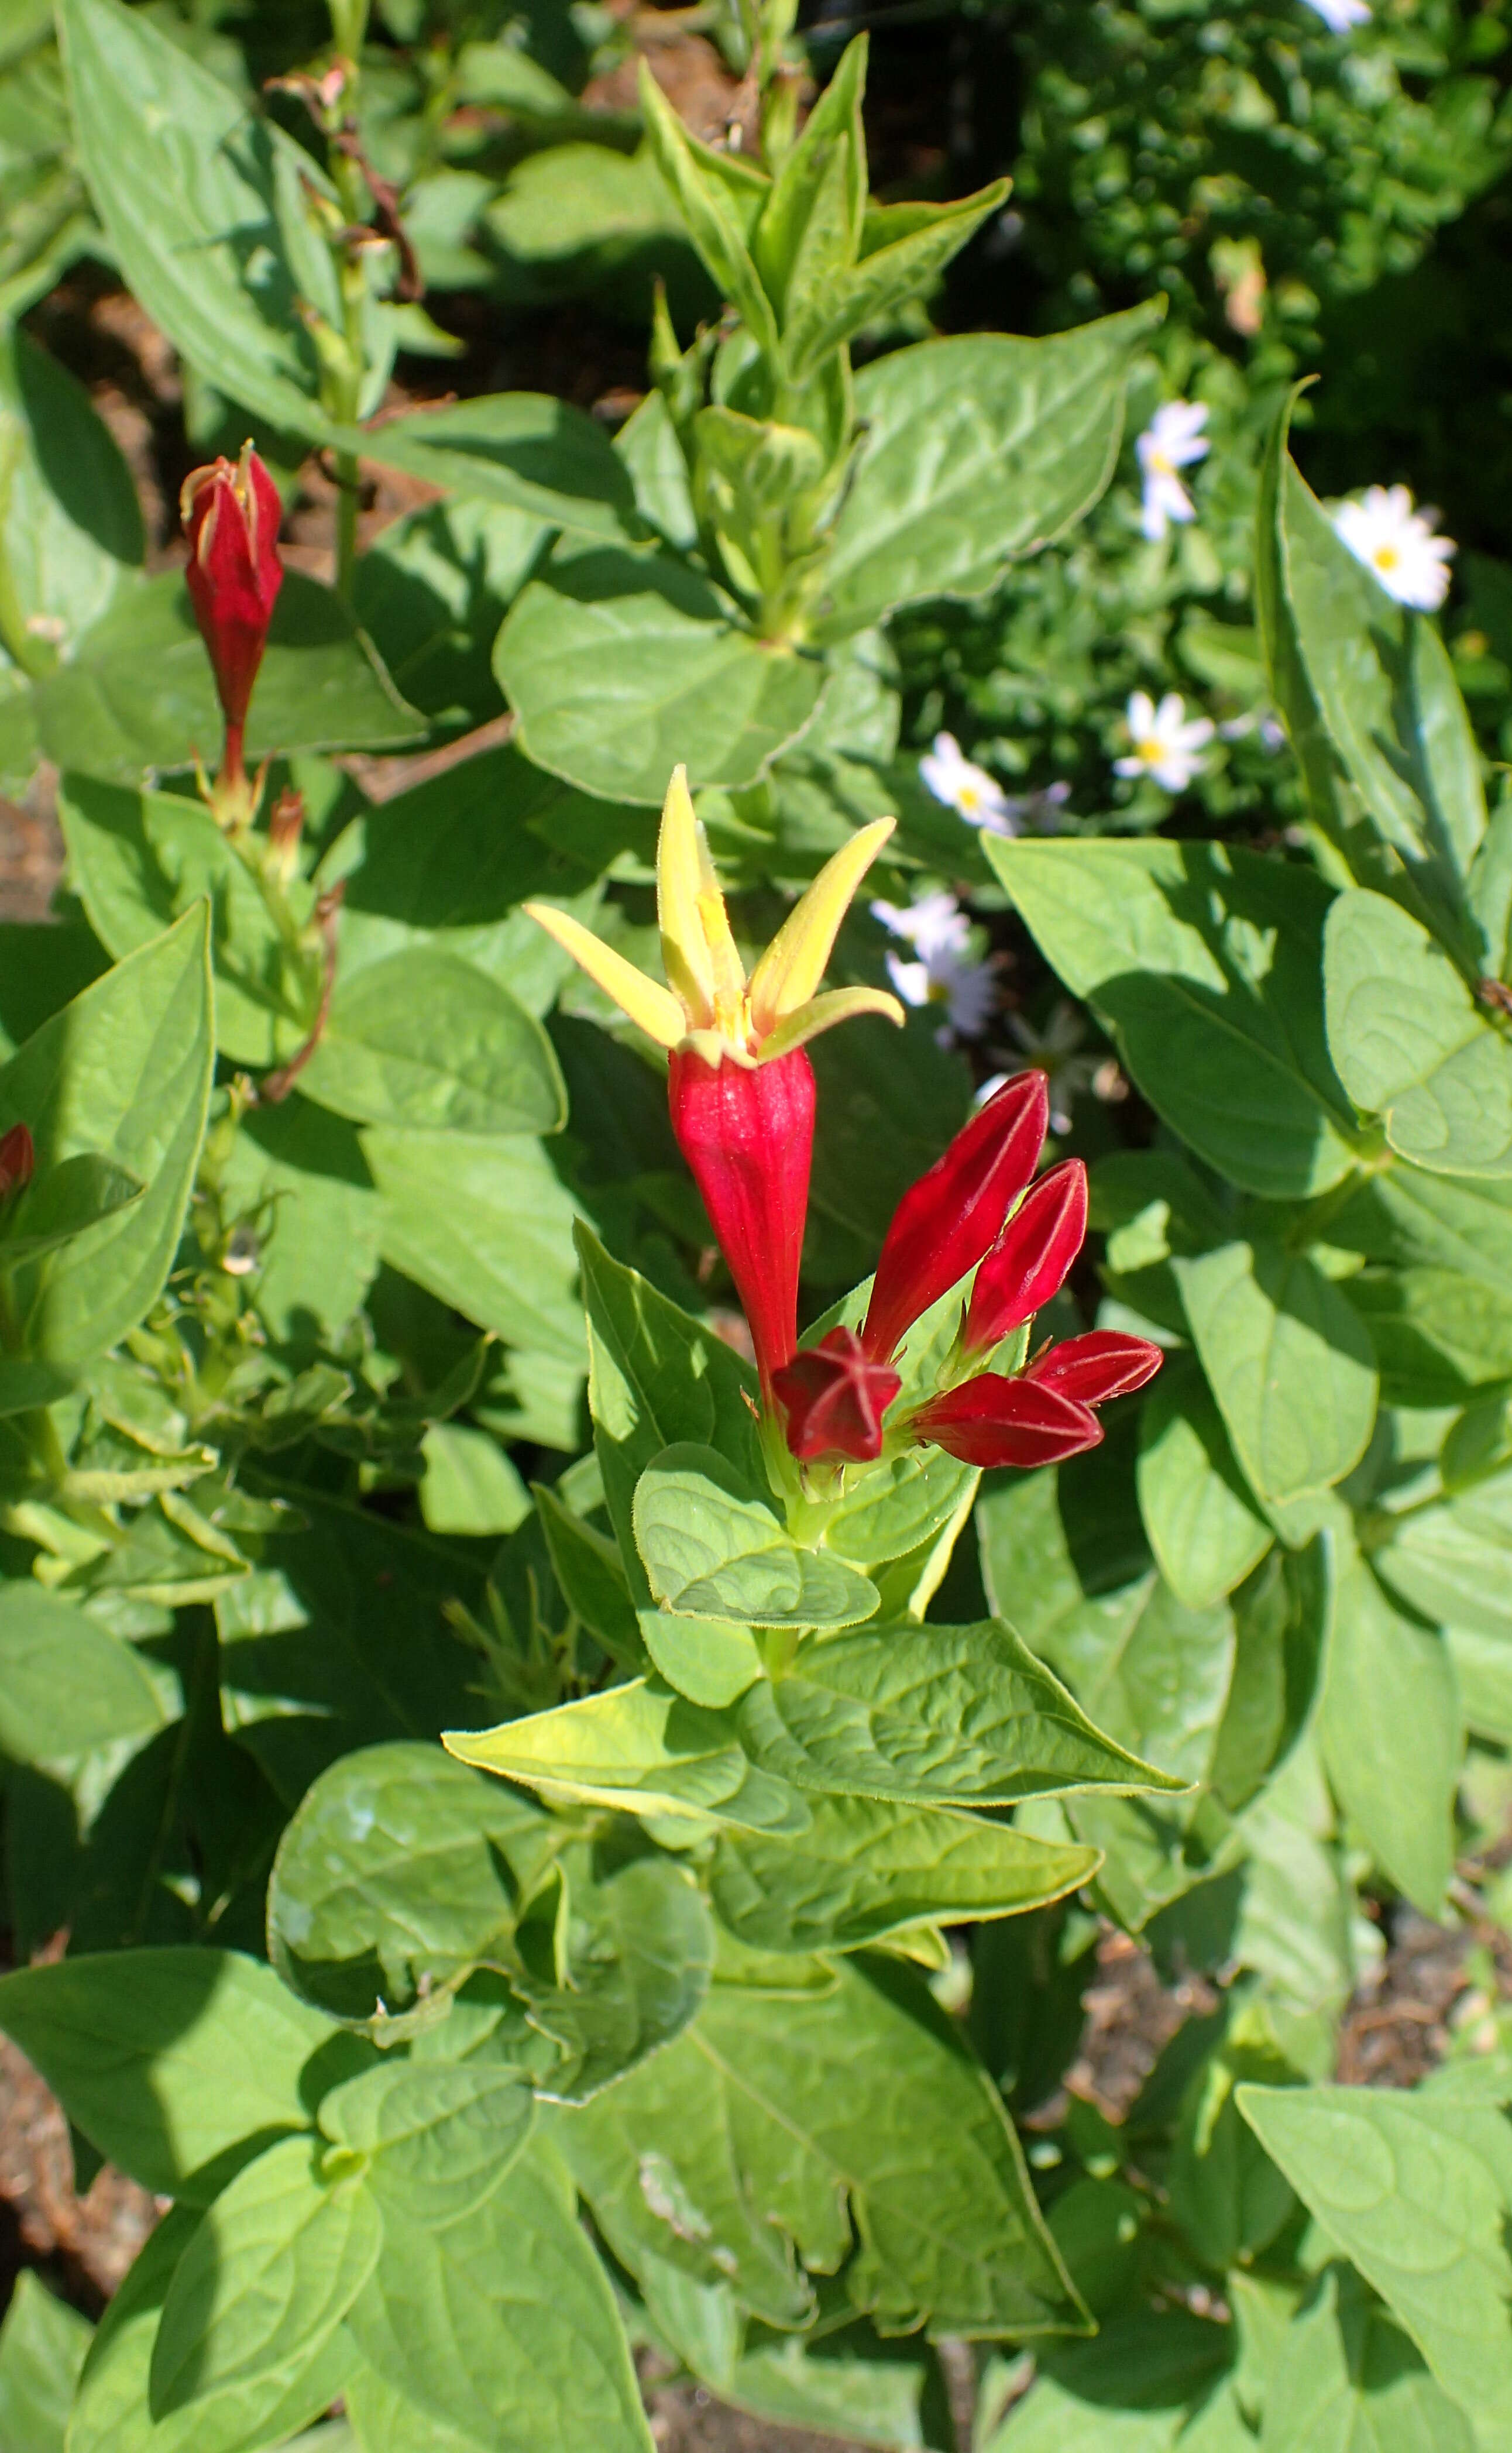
{"x":1397,"y":545}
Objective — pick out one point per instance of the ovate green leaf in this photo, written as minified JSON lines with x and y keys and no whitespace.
{"x":713,"y":1548}
{"x":1411,"y":1044}
{"x":1290,"y":1363}
{"x":1204,"y":964}
{"x":166,"y":2059}
{"x":620,"y":667}
{"x":1417,"y":2194}
{"x":265,"y":2279}
{"x":865,"y":1868}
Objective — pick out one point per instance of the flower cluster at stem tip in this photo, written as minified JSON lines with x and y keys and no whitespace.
{"x":741,"y":1094}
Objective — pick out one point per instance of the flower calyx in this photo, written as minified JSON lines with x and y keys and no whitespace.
{"x":834,"y":1396}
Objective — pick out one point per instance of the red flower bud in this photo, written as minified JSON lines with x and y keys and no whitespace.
{"x":1027,"y":1264}
{"x":231,"y":513}
{"x":946,"y":1221}
{"x":747,"y":1133}
{"x":994,"y":1421}
{"x":17,"y":1161}
{"x":835,"y":1398}
{"x":1103,"y":1363}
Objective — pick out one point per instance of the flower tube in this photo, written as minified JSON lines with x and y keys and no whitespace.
{"x":230,"y":513}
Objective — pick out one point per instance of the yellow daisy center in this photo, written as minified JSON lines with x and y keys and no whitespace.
{"x":1386,"y":557}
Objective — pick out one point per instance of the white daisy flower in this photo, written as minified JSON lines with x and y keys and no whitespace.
{"x":1056,"y":1051}
{"x":968,"y":990}
{"x":970,"y":790}
{"x":1398,"y":545}
{"x":934,"y":925}
{"x":1168,"y":742}
{"x":1172,"y":440}
{"x":1339,"y":15}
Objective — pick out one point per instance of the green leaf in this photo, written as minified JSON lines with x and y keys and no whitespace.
{"x":66,"y":1685}
{"x":706,"y":1662}
{"x":523,"y":450}
{"x":844,"y":2384}
{"x":635,"y":1964}
{"x":438,"y":2136}
{"x":887,"y":280}
{"x":1281,"y":1617}
{"x":1135,"y":2389}
{"x":42,"y":2348}
{"x":1205,"y":1528}
{"x":429,"y":1042}
{"x":1454,"y":1562}
{"x":299,"y":1173}
{"x":400,"y":1871}
{"x":139,"y":697}
{"x":470,"y":1485}
{"x":1386,"y":693}
{"x":1411,"y":1044}
{"x":67,"y":1202}
{"x":503,"y":2324}
{"x":221,"y":260}
{"x":139,"y":860}
{"x":70,"y":526}
{"x":865,"y":1869}
{"x":1416,"y":2193}
{"x":1347,"y":2381}
{"x":718,"y":197}
{"x":591,"y":1574}
{"x":1391,"y":1735}
{"x":1290,"y":1364}
{"x":656,"y":1376}
{"x":711,"y":1549}
{"x":640,"y":1748}
{"x":123,"y":1072}
{"x":484,"y":1225}
{"x":621,"y":665}
{"x":932,"y":1716}
{"x":778,"y":2123}
{"x":1408,"y":1217}
{"x":1204,"y":964}
{"x":166,"y":2059}
{"x":978,"y":450}
{"x":265,"y":2280}
{"x":1290,"y":686}
{"x":112,"y":2413}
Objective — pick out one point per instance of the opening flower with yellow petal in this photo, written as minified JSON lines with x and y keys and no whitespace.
{"x":741,"y":1088}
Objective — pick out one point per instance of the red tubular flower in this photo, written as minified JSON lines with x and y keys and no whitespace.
{"x":1103,"y":1363}
{"x":835,"y":1398}
{"x":946,"y":1222}
{"x":995,"y":1421}
{"x":748,"y":1134}
{"x":1028,"y":1262}
{"x":230,"y":513}
{"x":17,"y":1161}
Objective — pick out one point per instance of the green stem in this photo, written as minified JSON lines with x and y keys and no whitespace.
{"x":346,"y":479}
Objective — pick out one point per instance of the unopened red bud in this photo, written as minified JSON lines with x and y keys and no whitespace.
{"x":17,"y":1161}
{"x":835,"y":1396}
{"x":1101,"y":1365}
{"x":1028,"y":1263}
{"x":747,"y":1133}
{"x":995,"y":1421}
{"x":286,"y":824}
{"x":946,"y":1221}
{"x":230,"y":511}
